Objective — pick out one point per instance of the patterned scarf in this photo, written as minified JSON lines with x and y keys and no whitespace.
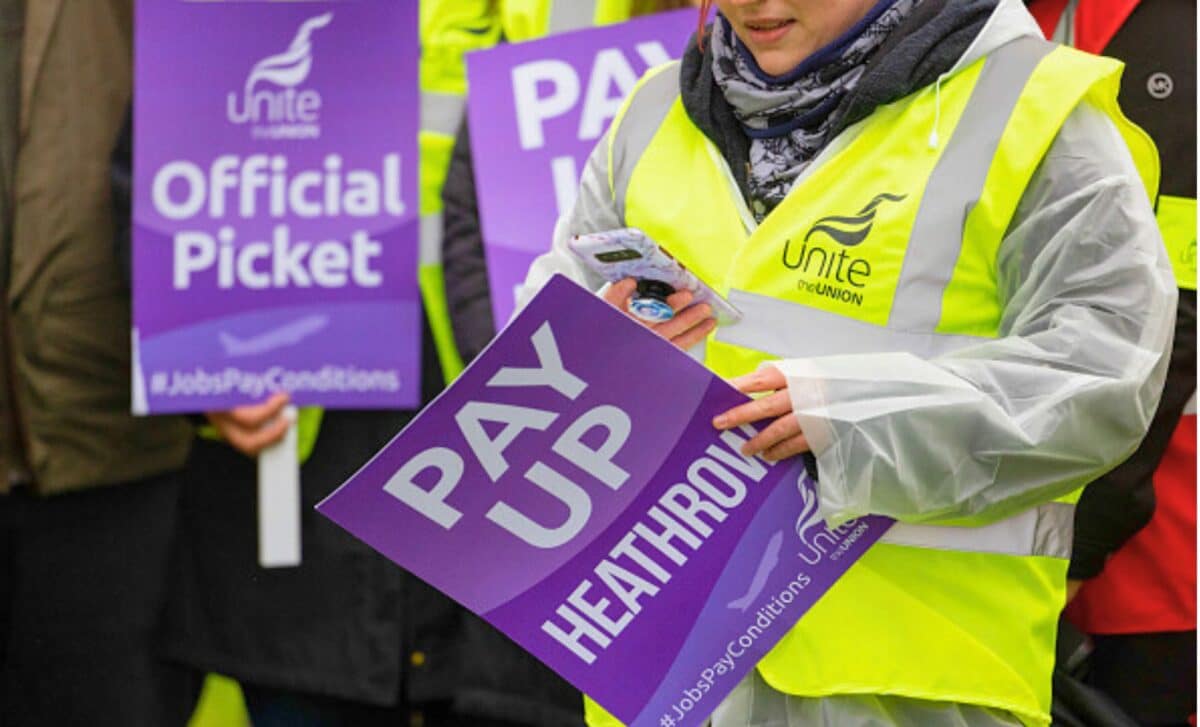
{"x":789,"y":117}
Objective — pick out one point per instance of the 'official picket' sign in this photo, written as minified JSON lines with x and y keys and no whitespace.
{"x":275,"y":215}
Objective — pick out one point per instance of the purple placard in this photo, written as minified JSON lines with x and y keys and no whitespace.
{"x":275,"y":210}
{"x":536,"y":111}
{"x":569,"y":487}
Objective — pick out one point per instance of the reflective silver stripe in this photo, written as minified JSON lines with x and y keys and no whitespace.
{"x":1190,"y":406}
{"x":792,"y":330}
{"x":431,"y":239}
{"x":1064,"y":32}
{"x":714,"y":154}
{"x":956,"y":184}
{"x":441,"y":113}
{"x":571,"y":15}
{"x":1045,"y":530}
{"x":644,"y":115}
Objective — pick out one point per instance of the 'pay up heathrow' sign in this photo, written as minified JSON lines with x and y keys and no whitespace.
{"x":570,"y":488}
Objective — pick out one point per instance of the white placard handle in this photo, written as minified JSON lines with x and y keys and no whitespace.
{"x":279,"y":501}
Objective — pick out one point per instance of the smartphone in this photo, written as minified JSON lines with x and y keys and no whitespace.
{"x":629,"y":253}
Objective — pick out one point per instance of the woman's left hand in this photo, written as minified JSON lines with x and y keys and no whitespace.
{"x":782,"y":438}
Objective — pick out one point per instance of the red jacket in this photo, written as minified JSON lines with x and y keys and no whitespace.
{"x":1149,"y":585}
{"x":1095,"y":22}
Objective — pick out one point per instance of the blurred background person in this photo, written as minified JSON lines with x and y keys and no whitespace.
{"x":449,"y":30}
{"x":88,"y":492}
{"x":1133,"y":567}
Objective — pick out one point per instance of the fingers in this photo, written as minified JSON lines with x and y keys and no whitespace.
{"x":696,"y":334}
{"x":776,"y":432}
{"x":251,"y":429}
{"x":679,"y":300}
{"x":691,"y":324}
{"x":619,"y":293}
{"x":253,"y":416}
{"x":770,"y":406}
{"x":684,"y":321}
{"x":767,"y":378}
{"x":789,"y":447}
{"x":781,"y":438}
{"x":253,"y":442}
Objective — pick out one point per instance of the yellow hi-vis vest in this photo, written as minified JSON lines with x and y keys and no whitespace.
{"x":963,"y":612}
{"x":449,"y":30}
{"x":1177,"y":221}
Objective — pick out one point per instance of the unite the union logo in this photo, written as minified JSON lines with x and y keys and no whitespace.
{"x":818,"y":540}
{"x":838,"y":272}
{"x":271,"y":102}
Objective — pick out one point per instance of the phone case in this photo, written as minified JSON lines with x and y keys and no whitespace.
{"x":629,"y":253}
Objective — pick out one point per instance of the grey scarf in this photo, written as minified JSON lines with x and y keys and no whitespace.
{"x":788,"y":118}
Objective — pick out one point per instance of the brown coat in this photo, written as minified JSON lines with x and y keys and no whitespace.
{"x":68,"y":313}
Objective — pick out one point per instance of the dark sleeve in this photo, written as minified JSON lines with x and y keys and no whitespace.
{"x":121,"y":177}
{"x":1116,"y":506}
{"x":463,"y":262}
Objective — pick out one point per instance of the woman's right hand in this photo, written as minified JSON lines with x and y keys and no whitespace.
{"x":691,"y":324}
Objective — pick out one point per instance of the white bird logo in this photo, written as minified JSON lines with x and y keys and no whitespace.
{"x":286,"y":335}
{"x":290,"y":67}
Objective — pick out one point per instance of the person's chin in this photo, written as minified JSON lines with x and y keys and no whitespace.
{"x":776,"y":64}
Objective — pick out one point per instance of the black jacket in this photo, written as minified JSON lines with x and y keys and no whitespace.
{"x":1115,"y":507}
{"x":468,"y":293}
{"x":336,"y":625}
{"x":347,"y":622}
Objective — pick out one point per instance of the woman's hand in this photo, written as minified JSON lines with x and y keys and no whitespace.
{"x":251,"y":429}
{"x":782,"y":438}
{"x":690,"y":326}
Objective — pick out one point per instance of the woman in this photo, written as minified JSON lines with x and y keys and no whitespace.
{"x":938,"y":228}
